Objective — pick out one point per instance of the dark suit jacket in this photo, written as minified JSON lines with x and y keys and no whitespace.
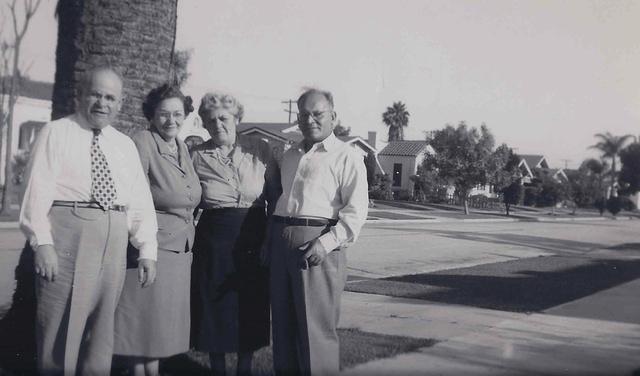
{"x":175,"y":189}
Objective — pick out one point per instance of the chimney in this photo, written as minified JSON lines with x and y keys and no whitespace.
{"x":371,"y":139}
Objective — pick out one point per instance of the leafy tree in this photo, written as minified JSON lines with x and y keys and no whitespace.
{"x":551,"y":191}
{"x":610,"y":147}
{"x":630,"y":172}
{"x":429,"y":185}
{"x":506,"y":178}
{"x":381,"y":189}
{"x":512,"y":194}
{"x":463,"y":157}
{"x":396,"y":118}
{"x":341,"y":130}
{"x":179,"y":64}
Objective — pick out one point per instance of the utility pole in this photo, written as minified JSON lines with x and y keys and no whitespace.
{"x":290,"y":102}
{"x":566,"y":162}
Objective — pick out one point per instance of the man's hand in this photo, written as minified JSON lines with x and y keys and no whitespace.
{"x":146,"y":272}
{"x":314,"y":252}
{"x":46,"y":262}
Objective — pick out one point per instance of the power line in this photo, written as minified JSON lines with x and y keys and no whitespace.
{"x":290,"y":102}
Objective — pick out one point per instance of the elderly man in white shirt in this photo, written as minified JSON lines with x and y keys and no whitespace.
{"x":321,"y":211}
{"x":86,"y":196}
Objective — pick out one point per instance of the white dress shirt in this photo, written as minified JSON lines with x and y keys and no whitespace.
{"x":60,"y":169}
{"x":328,"y":181}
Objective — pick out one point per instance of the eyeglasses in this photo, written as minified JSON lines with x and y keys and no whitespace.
{"x":317,"y":116}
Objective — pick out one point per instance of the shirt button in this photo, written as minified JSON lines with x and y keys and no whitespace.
{"x":187,"y":220}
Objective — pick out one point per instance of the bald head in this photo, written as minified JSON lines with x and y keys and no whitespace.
{"x":100,"y":97}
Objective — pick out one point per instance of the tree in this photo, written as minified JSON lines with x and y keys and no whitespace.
{"x":507,"y":177}
{"x":630,"y":172}
{"x":136,"y":38}
{"x":396,"y":118}
{"x":21,"y":19}
{"x":551,"y":191}
{"x":429,"y":183}
{"x":340,"y":130}
{"x":179,"y":64}
{"x":463,"y":157}
{"x":610,"y":146}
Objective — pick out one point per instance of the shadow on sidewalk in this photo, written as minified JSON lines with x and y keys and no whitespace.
{"x":17,"y":326}
{"x":527,"y":285}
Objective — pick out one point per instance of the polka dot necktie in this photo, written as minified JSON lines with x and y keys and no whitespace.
{"x":103,"y":189}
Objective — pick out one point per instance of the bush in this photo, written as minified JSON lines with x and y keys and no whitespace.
{"x":403,"y":195}
{"x":381,"y":189}
{"x":530,"y":196}
{"x":614,"y":205}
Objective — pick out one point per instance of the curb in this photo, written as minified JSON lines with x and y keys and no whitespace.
{"x":489,"y":220}
{"x":9,"y":225}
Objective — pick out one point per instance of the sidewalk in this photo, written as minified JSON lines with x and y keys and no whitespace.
{"x":475,"y":341}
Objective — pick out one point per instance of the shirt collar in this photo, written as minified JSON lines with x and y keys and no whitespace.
{"x":84,"y":124}
{"x":328,"y":143}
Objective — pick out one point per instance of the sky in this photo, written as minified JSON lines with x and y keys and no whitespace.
{"x":543,"y":75}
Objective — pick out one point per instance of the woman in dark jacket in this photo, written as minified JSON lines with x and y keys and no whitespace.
{"x":154,"y":322}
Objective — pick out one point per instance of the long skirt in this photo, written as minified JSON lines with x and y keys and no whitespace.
{"x":154,"y":322}
{"x":230,"y":311}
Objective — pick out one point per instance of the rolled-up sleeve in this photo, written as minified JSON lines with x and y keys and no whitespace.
{"x":352,"y":216}
{"x":42,"y":172}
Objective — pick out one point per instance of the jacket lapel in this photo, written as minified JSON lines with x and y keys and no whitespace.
{"x":165,"y":153}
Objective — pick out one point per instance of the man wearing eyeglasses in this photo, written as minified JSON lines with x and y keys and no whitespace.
{"x":321,"y":211}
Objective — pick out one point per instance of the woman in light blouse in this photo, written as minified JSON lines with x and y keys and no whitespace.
{"x":154,"y":322}
{"x":240,"y":183}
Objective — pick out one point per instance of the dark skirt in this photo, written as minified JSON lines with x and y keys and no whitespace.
{"x":230,"y":311}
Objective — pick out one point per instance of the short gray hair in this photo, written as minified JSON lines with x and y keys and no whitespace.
{"x":87,"y":76}
{"x":327,"y":94}
{"x":216,"y":99}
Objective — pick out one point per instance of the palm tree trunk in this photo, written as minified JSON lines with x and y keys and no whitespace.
{"x":136,"y":38}
{"x":613,"y":193}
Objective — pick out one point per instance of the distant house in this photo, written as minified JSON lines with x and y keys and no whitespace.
{"x":400,"y":159}
{"x":31,"y":112}
{"x":532,"y":166}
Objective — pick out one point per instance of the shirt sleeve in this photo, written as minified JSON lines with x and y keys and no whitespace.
{"x":354,"y":193}
{"x":141,"y":213}
{"x":41,"y":187}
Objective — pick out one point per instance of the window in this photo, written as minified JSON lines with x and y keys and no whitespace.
{"x":397,"y":174}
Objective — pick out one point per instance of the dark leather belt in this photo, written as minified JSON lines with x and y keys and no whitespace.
{"x":87,"y":205}
{"x":294,"y":221}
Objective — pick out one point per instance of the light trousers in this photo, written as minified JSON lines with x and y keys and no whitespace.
{"x":75,"y":313}
{"x":305,"y":304}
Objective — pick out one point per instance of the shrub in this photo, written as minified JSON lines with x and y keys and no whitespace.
{"x":614,"y":205}
{"x":381,"y":189}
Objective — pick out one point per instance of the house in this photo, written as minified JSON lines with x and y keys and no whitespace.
{"x":401,"y":159}
{"x":532,"y":166}
{"x":31,"y":112}
{"x":282,"y":135}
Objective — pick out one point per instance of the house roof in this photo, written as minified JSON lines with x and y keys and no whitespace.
{"x":35,"y":89}
{"x":405,"y":148}
{"x":532,"y":160}
{"x":276,"y":130}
